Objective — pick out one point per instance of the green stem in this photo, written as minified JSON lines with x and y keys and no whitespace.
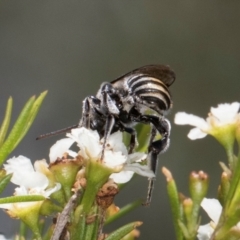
{"x":123,"y":231}
{"x":175,"y":205}
{"x":233,"y":186}
{"x":77,"y":229}
{"x":91,"y":229}
{"x":223,"y":228}
{"x":22,"y":230}
{"x":97,"y":175}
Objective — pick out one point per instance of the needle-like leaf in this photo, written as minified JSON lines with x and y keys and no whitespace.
{"x":6,"y":121}
{"x":21,"y":126}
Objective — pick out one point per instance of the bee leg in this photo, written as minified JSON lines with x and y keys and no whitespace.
{"x":108,"y":129}
{"x":90,"y":110}
{"x":108,"y":102}
{"x":155,"y":148}
{"x":153,"y":163}
{"x":133,"y":140}
{"x":85,"y":120}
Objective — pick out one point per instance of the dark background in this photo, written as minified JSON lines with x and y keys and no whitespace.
{"x":70,"y":47}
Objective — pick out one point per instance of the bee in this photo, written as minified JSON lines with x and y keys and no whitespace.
{"x":126,"y":101}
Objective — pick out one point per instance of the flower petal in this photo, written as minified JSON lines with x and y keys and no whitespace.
{"x":33,"y":180}
{"x":136,"y":157}
{"x":48,"y":192}
{"x":21,"y":191}
{"x":59,"y":148}
{"x":182,"y":118}
{"x":88,"y":141}
{"x":196,"y":133}
{"x":142,"y":170}
{"x":41,"y":166}
{"x":122,"y":177}
{"x":205,"y":232}
{"x":226,"y":113}
{"x":17,"y":164}
{"x":213,"y":208}
{"x":24,"y":174}
{"x":2,"y":237}
{"x":113,"y":159}
{"x":115,"y":143}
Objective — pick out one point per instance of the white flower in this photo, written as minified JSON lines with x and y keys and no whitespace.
{"x":115,"y":154}
{"x":60,"y":147}
{"x":2,"y":237}
{"x":132,"y":166}
{"x":213,"y":208}
{"x":29,"y":180}
{"x":224,"y":114}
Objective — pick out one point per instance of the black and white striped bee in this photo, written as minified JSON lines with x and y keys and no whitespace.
{"x":127,"y":100}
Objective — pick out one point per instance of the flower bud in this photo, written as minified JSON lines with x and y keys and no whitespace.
{"x":223,"y":188}
{"x":187,"y":208}
{"x":198,"y":184}
{"x":65,"y":172}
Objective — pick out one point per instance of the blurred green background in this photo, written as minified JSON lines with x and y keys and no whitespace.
{"x":71,"y":47}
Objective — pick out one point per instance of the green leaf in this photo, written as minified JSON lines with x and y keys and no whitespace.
{"x":6,"y":121}
{"x":21,"y":126}
{"x":123,"y":231}
{"x":14,"y":135}
{"x":26,"y":198}
{"x":4,"y":182}
{"x":184,"y":229}
{"x":124,"y":210}
{"x":32,"y":115}
{"x":174,"y":202}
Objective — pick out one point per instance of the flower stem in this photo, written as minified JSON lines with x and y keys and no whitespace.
{"x":97,"y":175}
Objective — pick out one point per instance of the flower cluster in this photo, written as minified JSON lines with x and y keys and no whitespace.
{"x":115,"y":155}
{"x":214,"y":209}
{"x":225,"y":115}
{"x":31,"y":181}
{"x":89,"y":169}
{"x":79,"y":183}
{"x":223,"y":123}
{"x":76,"y":187}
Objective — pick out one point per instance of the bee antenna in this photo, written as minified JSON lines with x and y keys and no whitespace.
{"x":64,"y":130}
